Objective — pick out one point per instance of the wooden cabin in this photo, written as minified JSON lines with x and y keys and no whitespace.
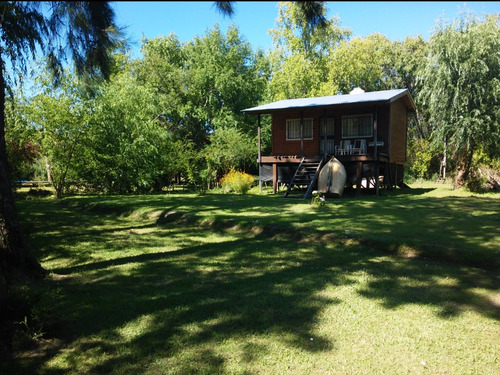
{"x":365,"y":131}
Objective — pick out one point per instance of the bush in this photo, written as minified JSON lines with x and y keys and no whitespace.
{"x":483,"y":179}
{"x":422,"y":160}
{"x":238,"y":182}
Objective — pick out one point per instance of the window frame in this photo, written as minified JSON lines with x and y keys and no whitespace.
{"x":288,"y":121}
{"x":370,"y":115}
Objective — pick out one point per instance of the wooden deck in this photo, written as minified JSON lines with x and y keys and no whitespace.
{"x":363,"y":171}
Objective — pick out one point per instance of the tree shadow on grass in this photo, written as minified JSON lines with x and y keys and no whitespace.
{"x":190,"y":302}
{"x":132,"y":311}
{"x":450,"y":291}
{"x":205,"y":296}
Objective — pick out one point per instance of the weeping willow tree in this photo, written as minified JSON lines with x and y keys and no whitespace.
{"x":461,"y":86}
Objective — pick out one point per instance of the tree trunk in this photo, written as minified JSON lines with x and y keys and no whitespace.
{"x":47,"y":169}
{"x":464,"y":168}
{"x":14,"y":252}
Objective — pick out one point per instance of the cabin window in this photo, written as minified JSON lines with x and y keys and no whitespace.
{"x":293,"y":129}
{"x":357,"y":126}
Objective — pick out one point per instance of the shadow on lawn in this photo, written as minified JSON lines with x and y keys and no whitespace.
{"x":201,"y":296}
{"x":197,"y":297}
{"x":206,"y":296}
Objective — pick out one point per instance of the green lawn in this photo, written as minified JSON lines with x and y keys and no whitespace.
{"x":403,"y":283}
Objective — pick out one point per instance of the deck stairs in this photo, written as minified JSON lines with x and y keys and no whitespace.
{"x":304,"y":178}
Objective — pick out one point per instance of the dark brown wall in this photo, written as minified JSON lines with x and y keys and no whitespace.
{"x":283,"y":147}
{"x":280,"y":146}
{"x":398,"y":132}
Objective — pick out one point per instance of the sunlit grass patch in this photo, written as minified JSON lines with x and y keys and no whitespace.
{"x":259,"y":284}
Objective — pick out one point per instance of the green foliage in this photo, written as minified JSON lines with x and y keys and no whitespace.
{"x":230,"y":148}
{"x":128,"y":150}
{"x":58,"y":117}
{"x":237,"y":181}
{"x":419,"y":159}
{"x":408,"y":60}
{"x":22,"y":157}
{"x":485,"y":173}
{"x":201,"y":87}
{"x":301,"y":52}
{"x":177,"y":112}
{"x":461,"y":87}
{"x":476,"y":182}
{"x":318,"y":199}
{"x":297,"y":77}
{"x":23,"y":149}
{"x":204,"y":84}
{"x":360,"y":62}
{"x":294,"y":34}
{"x":223,"y":79}
{"x":153,"y":118}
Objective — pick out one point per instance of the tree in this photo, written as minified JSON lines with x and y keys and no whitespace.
{"x":360,"y":62}
{"x":59,"y":116}
{"x":313,"y":11}
{"x":22,"y":151}
{"x":84,"y":31}
{"x":203,"y":84}
{"x":222,"y":77}
{"x":296,"y":33}
{"x":302,"y":51}
{"x":461,"y":87}
{"x":410,"y":57}
{"x":229,"y":149}
{"x":128,"y":148}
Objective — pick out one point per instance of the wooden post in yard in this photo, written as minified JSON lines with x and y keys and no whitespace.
{"x":375,"y":151}
{"x":275,"y":178}
{"x":324,"y":135}
{"x":259,"y":152}
{"x":302,"y":134}
{"x":359,"y":176}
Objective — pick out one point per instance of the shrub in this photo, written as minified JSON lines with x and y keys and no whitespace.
{"x":421,"y":163}
{"x":318,"y":199}
{"x":483,"y":179}
{"x":238,"y":182}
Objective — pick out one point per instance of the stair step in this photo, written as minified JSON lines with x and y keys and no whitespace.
{"x":305,"y":175}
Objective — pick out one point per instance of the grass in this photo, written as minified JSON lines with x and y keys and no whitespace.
{"x":254,"y":284}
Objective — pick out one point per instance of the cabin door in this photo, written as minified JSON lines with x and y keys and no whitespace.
{"x":327,"y":126}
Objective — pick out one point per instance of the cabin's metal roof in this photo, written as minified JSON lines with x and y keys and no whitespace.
{"x":375,"y":96}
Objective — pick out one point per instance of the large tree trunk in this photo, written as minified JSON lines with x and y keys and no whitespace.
{"x":14,"y":252}
{"x":463,"y":170}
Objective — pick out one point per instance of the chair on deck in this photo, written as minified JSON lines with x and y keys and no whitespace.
{"x":345,"y":147}
{"x":359,"y":147}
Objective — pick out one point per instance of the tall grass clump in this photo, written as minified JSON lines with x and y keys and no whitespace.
{"x":237,"y":182}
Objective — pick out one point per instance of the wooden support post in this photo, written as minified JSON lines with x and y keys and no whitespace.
{"x":302,"y":134}
{"x":324,"y":135}
{"x":375,"y":154}
{"x":359,"y":176}
{"x":275,"y":178}
{"x":395,"y":175}
{"x":259,"y":152}
{"x":375,"y":136}
{"x":388,"y":174}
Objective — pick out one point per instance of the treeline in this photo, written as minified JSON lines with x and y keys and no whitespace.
{"x":175,"y":114}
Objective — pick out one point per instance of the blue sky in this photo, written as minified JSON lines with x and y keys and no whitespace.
{"x":188,"y":19}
